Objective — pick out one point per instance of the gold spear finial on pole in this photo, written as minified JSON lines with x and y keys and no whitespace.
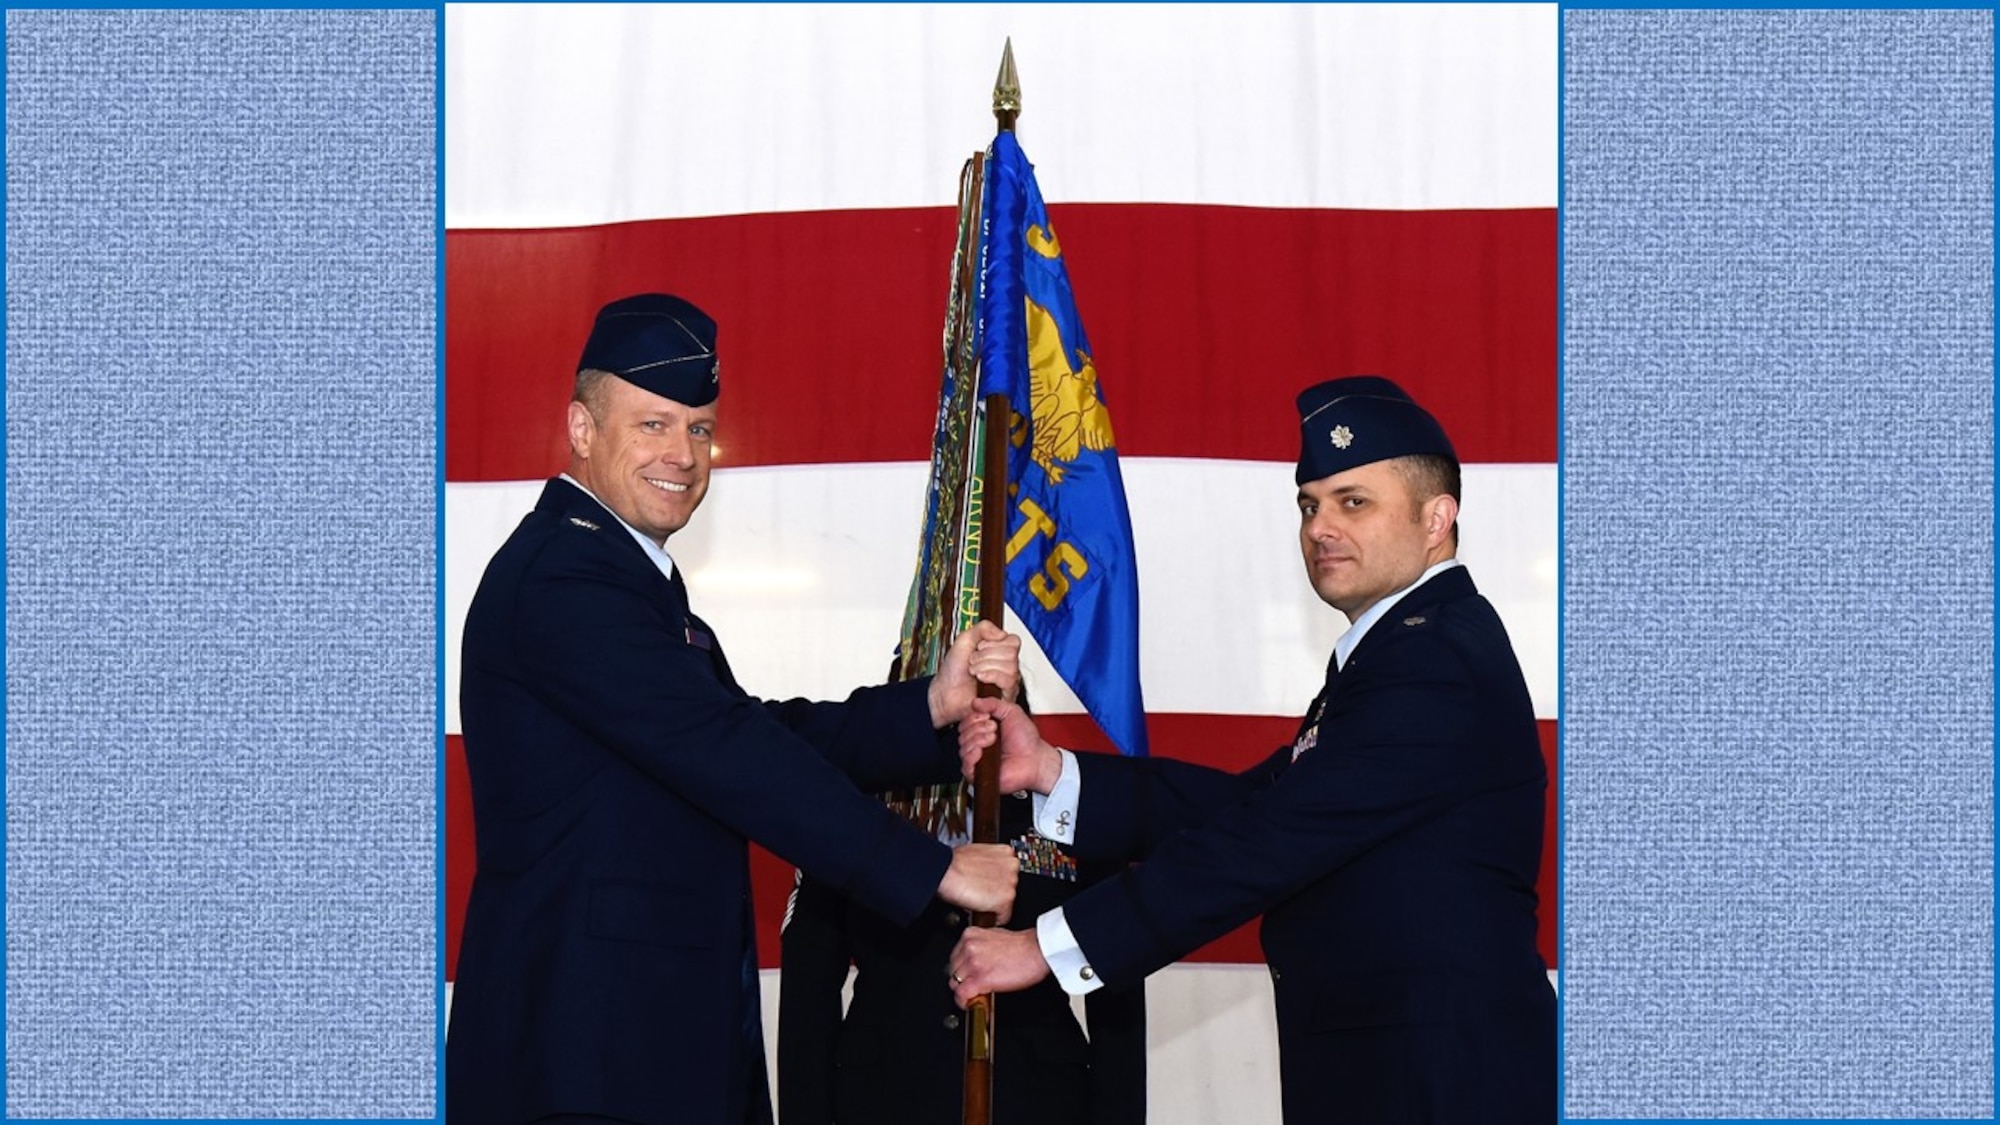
{"x":1007,"y":90}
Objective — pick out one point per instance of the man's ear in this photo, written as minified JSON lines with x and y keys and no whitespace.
{"x":1440,"y":512}
{"x":582,"y":428}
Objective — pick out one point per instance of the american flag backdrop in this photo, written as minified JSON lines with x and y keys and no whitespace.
{"x":1250,"y":199}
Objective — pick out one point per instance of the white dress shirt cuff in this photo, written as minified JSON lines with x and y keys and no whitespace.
{"x":1064,"y":956}
{"x":1055,"y":814}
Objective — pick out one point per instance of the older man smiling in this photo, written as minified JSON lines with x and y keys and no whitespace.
{"x":608,"y":970}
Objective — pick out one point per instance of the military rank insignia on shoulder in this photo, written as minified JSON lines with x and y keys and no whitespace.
{"x":1040,"y":856}
{"x":1414,"y":621}
{"x":583,"y":523}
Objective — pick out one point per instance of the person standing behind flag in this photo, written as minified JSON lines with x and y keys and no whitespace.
{"x":609,"y":968}
{"x":897,"y":1052}
{"x":1392,"y":848}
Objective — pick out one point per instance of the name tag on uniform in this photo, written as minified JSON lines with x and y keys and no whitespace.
{"x":699,"y":639}
{"x":1306,"y":741}
{"x":1309,"y":737}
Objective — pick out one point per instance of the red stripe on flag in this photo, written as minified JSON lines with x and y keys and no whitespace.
{"x":460,"y":858}
{"x":1225,"y":741}
{"x":830,"y":321}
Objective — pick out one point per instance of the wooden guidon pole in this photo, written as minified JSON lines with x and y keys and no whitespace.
{"x":979,"y":1026}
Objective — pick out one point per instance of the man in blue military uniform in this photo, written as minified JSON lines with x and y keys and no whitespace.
{"x":1392,"y":848}
{"x":608,"y":968}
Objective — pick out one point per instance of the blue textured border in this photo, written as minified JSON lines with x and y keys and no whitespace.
{"x":1778,"y":526}
{"x":222,"y":466}
{"x":1559,"y":785}
{"x":437,"y":405}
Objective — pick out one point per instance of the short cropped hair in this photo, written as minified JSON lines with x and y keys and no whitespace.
{"x":590,"y":390}
{"x":1428,"y":475}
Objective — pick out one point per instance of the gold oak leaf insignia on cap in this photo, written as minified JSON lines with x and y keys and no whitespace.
{"x":1342,"y":437}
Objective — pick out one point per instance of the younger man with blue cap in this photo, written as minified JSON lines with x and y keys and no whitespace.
{"x":608,"y":970}
{"x":1391,"y":848}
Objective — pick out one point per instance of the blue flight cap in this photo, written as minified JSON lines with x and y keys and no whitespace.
{"x":1344,"y":423}
{"x":657,"y":342}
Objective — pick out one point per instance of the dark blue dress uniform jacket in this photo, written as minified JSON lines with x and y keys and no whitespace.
{"x":1394,"y":863}
{"x":617,"y":770}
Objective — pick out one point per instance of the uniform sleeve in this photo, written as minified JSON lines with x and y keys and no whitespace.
{"x":813,"y":971}
{"x":880,"y":737}
{"x":1391,"y":756}
{"x":1128,"y":805}
{"x":598,"y":650}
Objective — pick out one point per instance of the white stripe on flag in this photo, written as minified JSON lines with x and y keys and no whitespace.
{"x":803,"y":571}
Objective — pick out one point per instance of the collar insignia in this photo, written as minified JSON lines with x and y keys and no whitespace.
{"x":583,"y":523}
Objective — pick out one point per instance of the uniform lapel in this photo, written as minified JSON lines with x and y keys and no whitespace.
{"x":568,"y":503}
{"x":565,"y":501}
{"x":1413,"y":610}
{"x":702,"y":637}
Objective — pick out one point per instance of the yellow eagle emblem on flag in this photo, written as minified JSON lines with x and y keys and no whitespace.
{"x":1069,"y":417}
